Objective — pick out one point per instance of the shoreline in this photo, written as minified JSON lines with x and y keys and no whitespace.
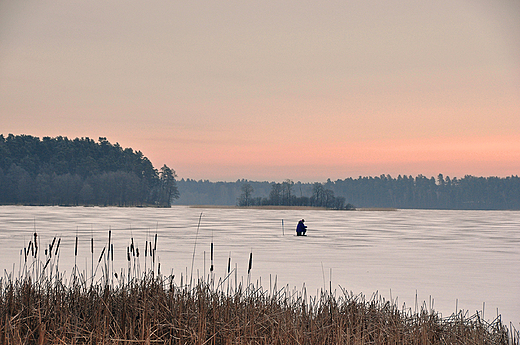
{"x":298,"y":208}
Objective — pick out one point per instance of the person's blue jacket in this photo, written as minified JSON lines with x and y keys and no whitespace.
{"x":301,"y":228}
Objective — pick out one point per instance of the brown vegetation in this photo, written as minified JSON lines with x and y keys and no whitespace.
{"x":155,"y":310}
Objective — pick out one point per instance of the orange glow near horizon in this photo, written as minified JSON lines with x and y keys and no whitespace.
{"x":487,"y":156}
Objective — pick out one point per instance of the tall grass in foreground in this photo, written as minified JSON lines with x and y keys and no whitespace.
{"x":155,"y":310}
{"x":41,"y":306}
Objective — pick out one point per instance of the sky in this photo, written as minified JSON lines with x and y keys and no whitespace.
{"x":272,"y":90}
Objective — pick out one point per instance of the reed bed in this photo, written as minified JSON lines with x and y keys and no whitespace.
{"x":153,"y":309}
{"x":41,"y":306}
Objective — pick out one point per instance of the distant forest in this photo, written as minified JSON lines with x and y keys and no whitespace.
{"x":467,"y":193}
{"x":59,"y":171}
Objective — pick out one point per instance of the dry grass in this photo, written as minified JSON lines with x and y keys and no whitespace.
{"x":155,"y":310}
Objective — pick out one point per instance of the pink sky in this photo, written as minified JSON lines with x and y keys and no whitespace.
{"x":272,"y":90}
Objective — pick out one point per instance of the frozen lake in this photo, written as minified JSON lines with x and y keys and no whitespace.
{"x":458,"y":259}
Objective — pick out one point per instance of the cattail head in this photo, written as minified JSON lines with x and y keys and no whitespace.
{"x":35,"y":244}
{"x":47,"y":263}
{"x":57,"y":246}
{"x":102,"y":253}
{"x":229,"y":264}
{"x":52,"y":244}
{"x":250,"y":262}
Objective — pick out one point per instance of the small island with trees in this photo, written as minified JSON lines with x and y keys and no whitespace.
{"x":282,"y":194}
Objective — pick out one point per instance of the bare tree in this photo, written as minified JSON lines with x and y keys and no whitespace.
{"x":287,"y":187}
{"x":246,"y":196}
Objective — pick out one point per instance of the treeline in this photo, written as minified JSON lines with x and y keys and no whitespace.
{"x":467,"y":193}
{"x":385,"y":191}
{"x":60,"y":171}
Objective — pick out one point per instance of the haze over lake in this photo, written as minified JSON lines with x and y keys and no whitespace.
{"x":457,"y":259}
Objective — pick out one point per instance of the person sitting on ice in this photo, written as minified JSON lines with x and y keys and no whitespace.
{"x":301,"y":228}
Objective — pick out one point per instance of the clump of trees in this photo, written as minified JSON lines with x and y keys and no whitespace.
{"x":282,"y":194}
{"x":60,"y":171}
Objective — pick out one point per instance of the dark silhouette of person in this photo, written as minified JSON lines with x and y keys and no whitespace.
{"x":301,"y":228}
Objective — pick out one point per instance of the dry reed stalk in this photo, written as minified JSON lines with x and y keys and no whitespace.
{"x":194,"y":249}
